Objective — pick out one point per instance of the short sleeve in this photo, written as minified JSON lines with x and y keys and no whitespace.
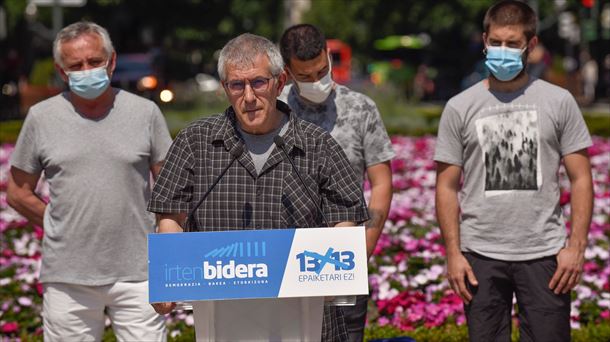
{"x":26,"y":155}
{"x":342,"y":194}
{"x":159,"y":135}
{"x":449,"y":147}
{"x":574,"y":135}
{"x":377,"y":145}
{"x":173,"y":189}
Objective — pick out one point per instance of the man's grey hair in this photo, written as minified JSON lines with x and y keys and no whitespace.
{"x":76,"y":30}
{"x":244,"y":49}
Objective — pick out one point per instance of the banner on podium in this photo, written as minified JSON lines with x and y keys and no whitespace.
{"x":275,"y":263}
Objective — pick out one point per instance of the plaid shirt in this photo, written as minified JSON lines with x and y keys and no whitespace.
{"x":273,"y":199}
{"x":243,"y":199}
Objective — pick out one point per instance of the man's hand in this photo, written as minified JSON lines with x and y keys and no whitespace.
{"x":569,"y":270}
{"x":163,"y":308}
{"x":168,"y":223}
{"x":458,"y":270}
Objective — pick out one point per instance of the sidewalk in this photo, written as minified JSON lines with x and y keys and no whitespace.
{"x":597,"y":109}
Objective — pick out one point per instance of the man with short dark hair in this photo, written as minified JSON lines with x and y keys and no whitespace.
{"x":353,"y":120}
{"x":97,"y":147}
{"x":504,"y":233}
{"x":260,"y":189}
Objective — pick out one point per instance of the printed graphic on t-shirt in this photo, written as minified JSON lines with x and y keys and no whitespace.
{"x":509,"y":142}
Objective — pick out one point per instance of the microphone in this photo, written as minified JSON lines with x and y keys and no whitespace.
{"x":235,"y":152}
{"x":279,"y":142}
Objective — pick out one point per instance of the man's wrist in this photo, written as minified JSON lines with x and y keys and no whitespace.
{"x":578,"y":244}
{"x":453,"y":251}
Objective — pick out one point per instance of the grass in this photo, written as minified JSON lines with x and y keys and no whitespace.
{"x":178,"y":117}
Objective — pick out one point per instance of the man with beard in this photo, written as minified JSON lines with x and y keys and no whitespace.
{"x":504,"y":233}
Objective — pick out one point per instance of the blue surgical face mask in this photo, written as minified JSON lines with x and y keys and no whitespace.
{"x":89,"y":84}
{"x":503,"y":62}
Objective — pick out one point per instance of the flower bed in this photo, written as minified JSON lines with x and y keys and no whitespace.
{"x":408,"y":286}
{"x":409,"y":289}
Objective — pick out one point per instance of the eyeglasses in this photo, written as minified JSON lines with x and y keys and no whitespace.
{"x":259,"y":85}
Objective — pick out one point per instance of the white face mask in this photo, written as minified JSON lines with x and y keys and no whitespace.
{"x":318,"y":91}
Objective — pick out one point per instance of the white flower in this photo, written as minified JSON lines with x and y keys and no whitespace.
{"x":189,"y":320}
{"x":24,"y":301}
{"x":583,"y":292}
{"x":420,"y":279}
{"x":605,"y":303}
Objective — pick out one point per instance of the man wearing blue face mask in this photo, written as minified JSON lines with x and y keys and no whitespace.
{"x":353,"y":120}
{"x":505,"y":233}
{"x":97,"y":147}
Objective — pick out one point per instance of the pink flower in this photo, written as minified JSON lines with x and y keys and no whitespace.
{"x":38,"y":232}
{"x":39,"y":288}
{"x":9,"y":327}
{"x":590,"y":267}
{"x":398,"y":165}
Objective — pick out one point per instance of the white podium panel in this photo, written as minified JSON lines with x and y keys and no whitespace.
{"x":277,"y":319}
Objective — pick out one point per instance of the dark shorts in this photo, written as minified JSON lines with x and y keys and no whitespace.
{"x":543,"y":315}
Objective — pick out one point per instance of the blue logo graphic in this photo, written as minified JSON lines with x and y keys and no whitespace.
{"x":236,"y":249}
{"x":217,"y":265}
{"x":315,"y":262}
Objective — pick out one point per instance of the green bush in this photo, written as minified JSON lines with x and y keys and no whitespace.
{"x":598,"y":123}
{"x":457,"y":333}
{"x":400,"y":116}
{"x":447,"y":333}
{"x":9,"y":131}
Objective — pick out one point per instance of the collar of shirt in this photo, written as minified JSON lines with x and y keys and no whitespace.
{"x":227,"y":130}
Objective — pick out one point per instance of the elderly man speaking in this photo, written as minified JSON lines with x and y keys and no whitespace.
{"x":231,"y":170}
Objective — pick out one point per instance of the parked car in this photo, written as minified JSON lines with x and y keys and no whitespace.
{"x":142,"y":74}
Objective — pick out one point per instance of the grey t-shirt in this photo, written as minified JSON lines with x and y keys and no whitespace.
{"x":510,"y":146}
{"x":260,"y":146}
{"x":98,"y":171}
{"x":352,"y":119}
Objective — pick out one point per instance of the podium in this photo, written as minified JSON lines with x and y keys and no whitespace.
{"x":265,"y":285}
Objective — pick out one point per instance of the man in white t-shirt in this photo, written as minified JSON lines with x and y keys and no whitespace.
{"x":97,"y":147}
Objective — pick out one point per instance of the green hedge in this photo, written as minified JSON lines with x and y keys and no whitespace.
{"x":451,"y":333}
{"x":448,"y":333}
{"x":454,"y":333}
{"x":415,"y":121}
